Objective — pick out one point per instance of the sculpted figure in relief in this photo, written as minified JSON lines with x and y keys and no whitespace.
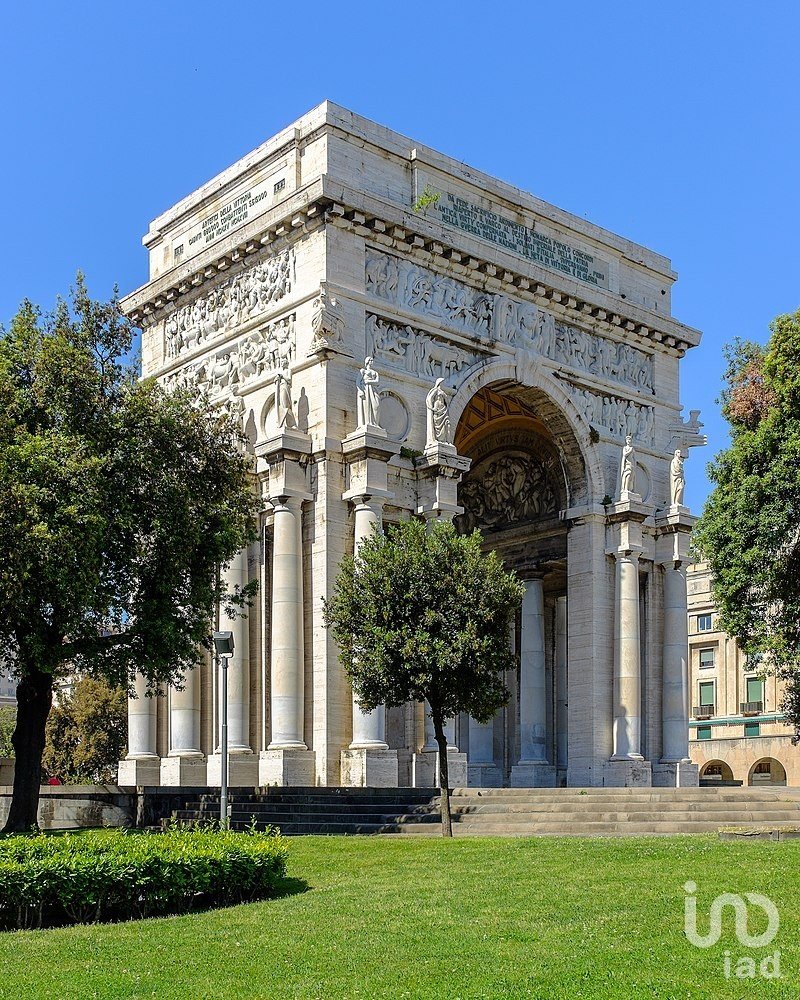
{"x":677,"y":479}
{"x":368,"y":400}
{"x":327,"y":321}
{"x":439,"y":429}
{"x":628,"y":468}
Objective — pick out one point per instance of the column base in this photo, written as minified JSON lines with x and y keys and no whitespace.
{"x":139,"y":771}
{"x":242,"y":770}
{"x":425,"y":769}
{"x":676,"y":774}
{"x":187,"y":771}
{"x":626,"y":773}
{"x":369,"y":768}
{"x":533,"y":774}
{"x":287,"y":767}
{"x":484,"y":775}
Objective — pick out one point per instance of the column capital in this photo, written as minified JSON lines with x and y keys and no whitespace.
{"x":439,"y":470}
{"x":288,"y":501}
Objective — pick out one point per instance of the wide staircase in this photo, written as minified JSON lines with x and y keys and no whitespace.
{"x":523,"y":812}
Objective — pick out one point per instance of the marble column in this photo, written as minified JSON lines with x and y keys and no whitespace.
{"x":242,"y":763}
{"x":562,"y":681}
{"x":533,"y":768}
{"x":627,"y":660}
{"x":369,"y":728}
{"x":368,"y":761}
{"x":675,"y":767}
{"x":185,"y":764}
{"x":287,"y":760}
{"x":142,"y":764}
{"x":482,"y":771}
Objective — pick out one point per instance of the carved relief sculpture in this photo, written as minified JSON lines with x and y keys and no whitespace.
{"x":439,"y":430}
{"x":498,"y":317}
{"x":229,"y":305}
{"x":368,"y":398}
{"x":677,"y":479}
{"x":506,"y":490}
{"x":417,"y":352}
{"x":327,"y":321}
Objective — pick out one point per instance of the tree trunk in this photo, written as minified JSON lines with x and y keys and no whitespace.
{"x":444,"y":777}
{"x":34,"y":698}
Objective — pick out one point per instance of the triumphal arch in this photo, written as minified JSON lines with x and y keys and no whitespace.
{"x":402,"y":336}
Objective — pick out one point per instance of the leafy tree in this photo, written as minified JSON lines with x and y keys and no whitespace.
{"x":8,"y":720}
{"x":750,"y":528}
{"x":118,"y":502}
{"x":86,"y":733}
{"x":424,"y":614}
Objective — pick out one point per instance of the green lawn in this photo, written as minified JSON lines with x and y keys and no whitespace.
{"x":370,"y":918}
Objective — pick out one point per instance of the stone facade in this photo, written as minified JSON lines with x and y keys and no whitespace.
{"x":736,"y":730}
{"x":551,"y":343}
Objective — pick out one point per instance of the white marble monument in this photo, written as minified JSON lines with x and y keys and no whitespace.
{"x":489,"y":358}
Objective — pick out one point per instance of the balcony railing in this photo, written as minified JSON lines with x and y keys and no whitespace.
{"x":752,"y":707}
{"x":703,"y":711}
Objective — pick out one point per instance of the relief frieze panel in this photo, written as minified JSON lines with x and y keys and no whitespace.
{"x":229,"y":305}
{"x":228,"y":370}
{"x":498,"y":317}
{"x":403,"y":347}
{"x":507,"y":489}
{"x":618,"y":417}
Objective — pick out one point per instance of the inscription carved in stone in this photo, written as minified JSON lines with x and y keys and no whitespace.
{"x":229,"y":305}
{"x":501,"y":318}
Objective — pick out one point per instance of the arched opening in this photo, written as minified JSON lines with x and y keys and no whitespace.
{"x":526,"y":469}
{"x":767,"y":771}
{"x":717,"y":771}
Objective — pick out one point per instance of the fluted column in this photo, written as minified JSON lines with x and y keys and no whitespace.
{"x":532,"y":702}
{"x":369,"y":728}
{"x":184,"y":717}
{"x":238,"y":664}
{"x":287,"y":688}
{"x":141,"y":723}
{"x":675,"y":679}
{"x":627,"y":660}
{"x":562,"y":678}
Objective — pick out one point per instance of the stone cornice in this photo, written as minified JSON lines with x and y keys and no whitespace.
{"x":327,"y":202}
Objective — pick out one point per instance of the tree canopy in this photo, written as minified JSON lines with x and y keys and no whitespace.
{"x":87,"y":732}
{"x":423,"y":614}
{"x":750,"y":528}
{"x":118,"y":503}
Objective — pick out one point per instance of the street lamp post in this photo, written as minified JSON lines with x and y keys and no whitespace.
{"x":223,"y":648}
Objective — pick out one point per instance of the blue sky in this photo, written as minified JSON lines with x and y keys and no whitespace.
{"x":673,"y":124}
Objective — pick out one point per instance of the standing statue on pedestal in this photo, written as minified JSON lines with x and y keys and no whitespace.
{"x":677,"y":479}
{"x":439,"y":428}
{"x":283,"y":401}
{"x":369,"y":404}
{"x":628,"y":468}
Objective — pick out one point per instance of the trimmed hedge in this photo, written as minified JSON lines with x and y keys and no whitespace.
{"x":118,"y":875}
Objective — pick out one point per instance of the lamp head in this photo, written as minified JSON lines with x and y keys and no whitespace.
{"x":223,"y":643}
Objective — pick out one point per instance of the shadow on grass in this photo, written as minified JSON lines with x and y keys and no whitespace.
{"x":288,"y":887}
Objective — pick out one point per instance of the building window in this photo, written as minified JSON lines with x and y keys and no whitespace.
{"x":704,"y":623}
{"x":752,"y":729}
{"x":706,"y":658}
{"x":704,"y":732}
{"x":755,"y":689}
{"x":707,"y":694}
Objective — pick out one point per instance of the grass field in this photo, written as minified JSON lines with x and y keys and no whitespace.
{"x":369,"y":918}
